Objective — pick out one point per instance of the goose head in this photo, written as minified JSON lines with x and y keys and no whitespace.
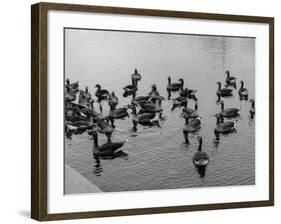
{"x":98,"y":86}
{"x":227,"y":73}
{"x":181,"y":80}
{"x":86,"y":89}
{"x":67,"y":82}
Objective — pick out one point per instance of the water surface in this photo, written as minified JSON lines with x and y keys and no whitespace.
{"x":157,"y":158}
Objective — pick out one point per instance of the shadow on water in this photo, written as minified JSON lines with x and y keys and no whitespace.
{"x":97,"y":166}
{"x":97,"y":161}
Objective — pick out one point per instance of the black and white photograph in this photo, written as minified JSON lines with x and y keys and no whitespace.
{"x":154,"y":111}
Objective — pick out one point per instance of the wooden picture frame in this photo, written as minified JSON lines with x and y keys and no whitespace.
{"x":39,"y":108}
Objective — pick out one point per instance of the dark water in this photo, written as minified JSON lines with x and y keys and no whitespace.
{"x":157,"y":158}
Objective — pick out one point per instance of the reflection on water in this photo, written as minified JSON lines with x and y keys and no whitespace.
{"x":157,"y":158}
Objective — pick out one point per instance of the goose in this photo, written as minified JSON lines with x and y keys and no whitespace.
{"x":106,"y":150}
{"x":113,"y":101}
{"x":224,"y":127}
{"x":252,"y":110}
{"x":85,"y":97}
{"x":188,"y":93}
{"x":230,"y":80}
{"x":223,"y":92}
{"x":151,"y":107}
{"x":144,"y":119}
{"x":243,"y":92}
{"x":136,"y":77}
{"x":105,"y":128}
{"x":101,"y":94}
{"x":69,"y":95}
{"x":191,"y":126}
{"x":90,"y":110}
{"x":74,"y":115}
{"x":229,"y":112}
{"x":74,"y":87}
{"x":130,"y":89}
{"x":174,"y":86}
{"x":200,"y":158}
{"x":139,"y":99}
{"x":119,"y":113}
{"x":190,"y":113}
{"x":78,"y":127}
{"x":180,"y":101}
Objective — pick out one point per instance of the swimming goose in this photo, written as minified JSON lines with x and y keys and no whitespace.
{"x":188,"y":93}
{"x":113,"y":101}
{"x":191,"y":126}
{"x":74,"y":87}
{"x":223,"y":127}
{"x":223,"y":92}
{"x":243,"y":92}
{"x":200,"y":158}
{"x":101,"y":94}
{"x":136,"y":77}
{"x":139,"y":99}
{"x":180,"y":101}
{"x":106,"y":150}
{"x":230,"y":80}
{"x":229,"y":112}
{"x":130,"y":89}
{"x":252,"y":110}
{"x":69,"y":95}
{"x":174,"y":86}
{"x":190,"y":113}
{"x":90,"y":110}
{"x":144,"y":119}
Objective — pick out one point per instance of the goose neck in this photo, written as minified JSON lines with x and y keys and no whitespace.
{"x":200,"y":145}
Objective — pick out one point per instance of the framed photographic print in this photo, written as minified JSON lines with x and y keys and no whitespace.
{"x":141,"y":111}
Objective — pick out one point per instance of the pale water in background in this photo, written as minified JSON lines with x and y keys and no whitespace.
{"x":157,"y":158}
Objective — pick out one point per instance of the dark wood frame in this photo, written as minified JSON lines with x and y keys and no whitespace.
{"x":39,"y":110}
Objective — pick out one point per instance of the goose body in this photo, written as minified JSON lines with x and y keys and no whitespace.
{"x":101,"y":94}
{"x":69,"y":96}
{"x":178,"y":102}
{"x":200,"y":158}
{"x":243,"y":92}
{"x":224,"y":127}
{"x":140,"y":99}
{"x":113,"y":101}
{"x":144,"y":119}
{"x":174,"y":86}
{"x":130,"y":89}
{"x":223,"y":92}
{"x":151,"y":107}
{"x":193,"y":125}
{"x":188,"y":93}
{"x":118,"y":113}
{"x":230,"y":80}
{"x":229,"y":112}
{"x":190,"y":113}
{"x":106,"y":150}
{"x":136,"y":77}
{"x":73,"y":87}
